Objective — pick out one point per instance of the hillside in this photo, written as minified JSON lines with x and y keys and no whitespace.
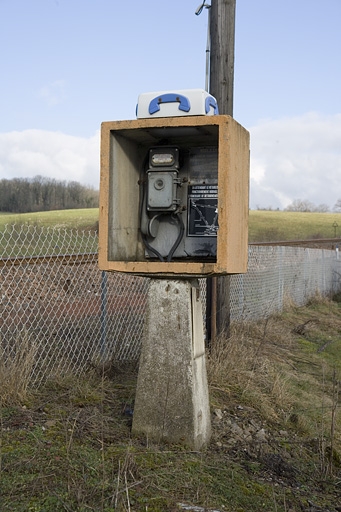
{"x":263,"y":225}
{"x":267,"y":226}
{"x":83,"y":218}
{"x":276,"y":443}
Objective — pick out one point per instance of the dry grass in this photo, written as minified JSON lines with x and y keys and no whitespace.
{"x":285,"y":367}
{"x":248,"y":364}
{"x":16,"y":369}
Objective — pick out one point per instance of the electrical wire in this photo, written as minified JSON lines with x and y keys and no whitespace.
{"x":200,"y":8}
{"x":178,"y":218}
{"x":151,"y":249}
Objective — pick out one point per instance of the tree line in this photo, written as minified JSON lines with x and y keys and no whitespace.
{"x":299,"y":205}
{"x":23,"y":195}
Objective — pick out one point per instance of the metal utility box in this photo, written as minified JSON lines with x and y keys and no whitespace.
{"x":174,"y":196}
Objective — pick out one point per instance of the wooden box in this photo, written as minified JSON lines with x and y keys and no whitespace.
{"x":124,"y":145}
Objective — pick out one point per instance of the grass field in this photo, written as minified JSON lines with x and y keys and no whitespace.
{"x":264,"y":226}
{"x":75,"y":219}
{"x":27,"y":235}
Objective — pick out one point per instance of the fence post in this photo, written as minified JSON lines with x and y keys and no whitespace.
{"x":104,"y":300}
{"x":280,"y":257}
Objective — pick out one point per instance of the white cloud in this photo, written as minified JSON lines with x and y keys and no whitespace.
{"x":297,"y":157}
{"x":51,"y":154}
{"x":292,"y":158}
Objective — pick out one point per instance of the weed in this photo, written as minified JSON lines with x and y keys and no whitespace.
{"x":16,"y":368}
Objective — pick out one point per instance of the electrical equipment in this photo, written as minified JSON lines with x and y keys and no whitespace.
{"x":179,"y":205}
{"x":159,"y":197}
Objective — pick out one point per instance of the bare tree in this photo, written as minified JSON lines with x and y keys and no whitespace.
{"x":21,"y":195}
{"x":299,"y":205}
{"x":321,"y":208}
{"x":337,"y":206}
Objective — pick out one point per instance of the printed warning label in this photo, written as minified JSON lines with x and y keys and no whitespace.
{"x":202,"y":210}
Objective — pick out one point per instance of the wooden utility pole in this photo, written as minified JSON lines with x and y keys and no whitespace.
{"x":222,"y":30}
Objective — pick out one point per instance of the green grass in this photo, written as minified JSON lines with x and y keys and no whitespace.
{"x":49,"y":233}
{"x":276,"y":225}
{"x":263,"y":225}
{"x":69,"y":219}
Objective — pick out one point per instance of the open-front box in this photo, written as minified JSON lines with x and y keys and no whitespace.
{"x":199,"y":202}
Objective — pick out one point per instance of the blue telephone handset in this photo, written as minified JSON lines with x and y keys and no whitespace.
{"x":184,"y":104}
{"x":211,"y":102}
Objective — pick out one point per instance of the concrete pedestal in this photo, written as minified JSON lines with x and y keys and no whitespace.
{"x":172,"y":402}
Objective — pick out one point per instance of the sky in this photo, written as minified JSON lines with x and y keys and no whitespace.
{"x":68,"y":65}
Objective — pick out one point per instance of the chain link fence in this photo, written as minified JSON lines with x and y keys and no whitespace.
{"x":280,"y":274}
{"x":54,"y":299}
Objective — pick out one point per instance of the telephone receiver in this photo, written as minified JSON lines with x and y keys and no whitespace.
{"x":211,"y":102}
{"x":184,"y":104}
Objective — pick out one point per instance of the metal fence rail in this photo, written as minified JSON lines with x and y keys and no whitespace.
{"x":53,"y":296}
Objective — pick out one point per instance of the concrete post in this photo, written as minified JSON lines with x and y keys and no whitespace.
{"x":172,"y":402}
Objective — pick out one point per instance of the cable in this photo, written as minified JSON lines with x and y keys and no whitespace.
{"x":151,"y":249}
{"x":179,"y":220}
{"x":200,"y":8}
